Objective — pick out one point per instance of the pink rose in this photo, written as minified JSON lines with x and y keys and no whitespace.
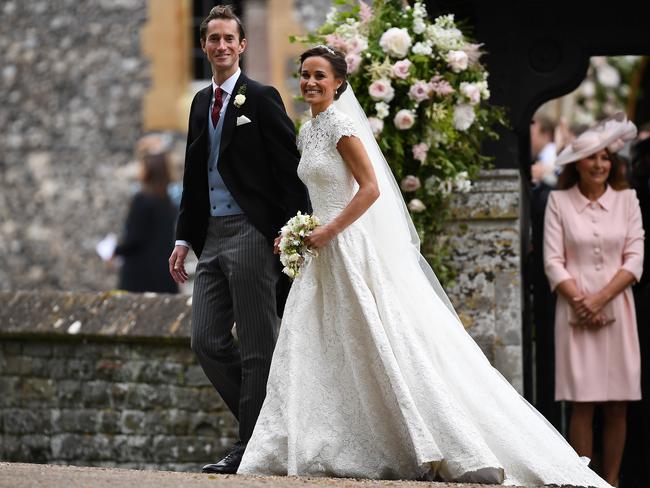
{"x":337,"y":42}
{"x":420,"y":91}
{"x":401,"y":69}
{"x":472,"y":91}
{"x":404,"y":119}
{"x":410,"y":183}
{"x":353,"y":60}
{"x":420,"y":151}
{"x":440,"y":86}
{"x":381,"y":90}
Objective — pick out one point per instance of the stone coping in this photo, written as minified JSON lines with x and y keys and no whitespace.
{"x":111,"y":316}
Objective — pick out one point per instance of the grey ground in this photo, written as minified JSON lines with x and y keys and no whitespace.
{"x":18,"y":475}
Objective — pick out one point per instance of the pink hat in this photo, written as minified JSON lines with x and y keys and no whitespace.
{"x":610,"y":133}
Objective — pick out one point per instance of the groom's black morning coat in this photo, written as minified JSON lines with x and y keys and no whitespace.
{"x":257,"y":162}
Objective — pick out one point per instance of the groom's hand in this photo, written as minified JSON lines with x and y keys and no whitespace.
{"x":177,"y":264}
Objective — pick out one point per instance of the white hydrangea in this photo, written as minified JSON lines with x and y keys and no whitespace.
{"x":383,"y":109}
{"x":444,"y":34}
{"x":423,"y":48}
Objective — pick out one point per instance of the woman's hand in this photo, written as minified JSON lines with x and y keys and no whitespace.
{"x":276,"y":245}
{"x":589,"y":306}
{"x":320,"y":236}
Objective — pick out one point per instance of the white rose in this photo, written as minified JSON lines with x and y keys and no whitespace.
{"x":239,"y":100}
{"x":471,"y":91}
{"x":404,"y":119}
{"x":416,"y":206}
{"x":381,"y":90}
{"x":383,"y":109}
{"x":395,"y":42}
{"x":457,"y":60}
{"x":463,"y":116}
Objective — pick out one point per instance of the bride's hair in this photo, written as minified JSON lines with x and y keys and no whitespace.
{"x":336,"y":59}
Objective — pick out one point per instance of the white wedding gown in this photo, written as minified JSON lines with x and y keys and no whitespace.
{"x":373,"y":378}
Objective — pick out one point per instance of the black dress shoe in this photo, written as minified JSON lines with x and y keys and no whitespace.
{"x":229,"y":464}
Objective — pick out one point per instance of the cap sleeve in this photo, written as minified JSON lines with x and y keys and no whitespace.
{"x":341,"y":125}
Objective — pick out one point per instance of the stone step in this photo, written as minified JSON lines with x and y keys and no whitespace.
{"x":17,"y":475}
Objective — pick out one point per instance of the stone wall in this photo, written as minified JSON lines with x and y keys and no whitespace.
{"x":105,"y":380}
{"x":72,"y":81}
{"x":485,"y":240}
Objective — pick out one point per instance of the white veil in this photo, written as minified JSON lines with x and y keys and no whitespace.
{"x":388,"y":221}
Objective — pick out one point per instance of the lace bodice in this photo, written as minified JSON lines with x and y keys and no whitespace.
{"x":327,"y":177}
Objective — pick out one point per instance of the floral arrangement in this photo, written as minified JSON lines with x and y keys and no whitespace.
{"x":293,"y":250}
{"x":425,"y":91}
{"x":606,"y":88}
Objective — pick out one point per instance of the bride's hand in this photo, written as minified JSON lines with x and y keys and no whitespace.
{"x":320,"y":236}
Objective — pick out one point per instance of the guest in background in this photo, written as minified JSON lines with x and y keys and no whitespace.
{"x":636,"y":463}
{"x":543,"y":149}
{"x":149,"y":231}
{"x":593,"y":253}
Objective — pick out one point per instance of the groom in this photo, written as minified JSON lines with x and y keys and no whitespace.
{"x":239,"y":187}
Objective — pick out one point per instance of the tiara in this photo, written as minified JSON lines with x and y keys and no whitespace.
{"x":328,"y":49}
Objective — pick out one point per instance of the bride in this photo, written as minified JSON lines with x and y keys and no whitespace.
{"x":373,"y":375}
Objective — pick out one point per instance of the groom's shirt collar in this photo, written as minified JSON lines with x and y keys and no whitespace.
{"x":229,"y":85}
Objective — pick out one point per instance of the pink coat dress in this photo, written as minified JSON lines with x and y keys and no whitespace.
{"x":590,"y":242}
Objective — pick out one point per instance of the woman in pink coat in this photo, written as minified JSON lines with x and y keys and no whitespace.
{"x":593,"y":253}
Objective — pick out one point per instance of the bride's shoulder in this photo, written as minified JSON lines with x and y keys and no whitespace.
{"x":340,"y":124}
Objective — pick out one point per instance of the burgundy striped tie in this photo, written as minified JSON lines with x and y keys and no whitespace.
{"x":216,"y":108}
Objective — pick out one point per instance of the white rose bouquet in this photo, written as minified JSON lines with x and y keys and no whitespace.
{"x":293,"y":250}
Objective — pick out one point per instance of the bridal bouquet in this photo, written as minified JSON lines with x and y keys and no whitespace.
{"x":293,"y":250}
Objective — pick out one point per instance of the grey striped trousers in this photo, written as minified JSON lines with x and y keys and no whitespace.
{"x":235,"y":281}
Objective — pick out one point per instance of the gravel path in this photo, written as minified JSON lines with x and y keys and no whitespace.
{"x":17,"y":475}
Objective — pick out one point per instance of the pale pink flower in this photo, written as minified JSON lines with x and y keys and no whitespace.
{"x":457,"y":60}
{"x":473,"y":52}
{"x":353,"y":60}
{"x":420,"y":91}
{"x":420,"y":151}
{"x":416,"y":206}
{"x":472,"y":91}
{"x":463,"y":116}
{"x":410,"y":183}
{"x":440,"y":86}
{"x":365,"y":12}
{"x":401,"y":69}
{"x":381,"y":90}
{"x":377,"y":125}
{"x":404,"y":119}
{"x":337,"y":42}
{"x":357,"y":44}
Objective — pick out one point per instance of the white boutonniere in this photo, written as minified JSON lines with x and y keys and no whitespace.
{"x":240,"y":98}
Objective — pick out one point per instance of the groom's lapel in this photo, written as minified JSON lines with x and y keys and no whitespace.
{"x":230,"y":119}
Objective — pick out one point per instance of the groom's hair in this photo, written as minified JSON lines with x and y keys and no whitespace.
{"x":221,"y":12}
{"x":337,"y":61}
